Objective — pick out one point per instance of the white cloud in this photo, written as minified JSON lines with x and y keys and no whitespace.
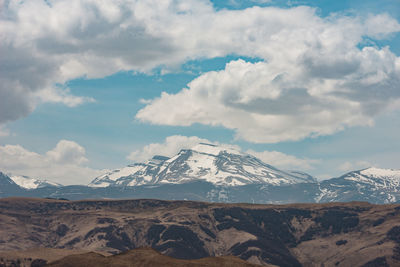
{"x":315,"y":80}
{"x":254,"y":100}
{"x":173,"y":144}
{"x":284,"y":161}
{"x":63,"y":96}
{"x":63,"y":164}
{"x":170,"y":147}
{"x":312,"y":66}
{"x":351,"y":166}
{"x":67,"y":152}
{"x":381,"y":25}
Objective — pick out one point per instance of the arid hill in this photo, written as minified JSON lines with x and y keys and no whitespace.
{"x":145,"y":257}
{"x":335,"y":234}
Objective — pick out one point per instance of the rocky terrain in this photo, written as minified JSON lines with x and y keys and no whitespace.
{"x":335,"y":234}
{"x":372,"y":184}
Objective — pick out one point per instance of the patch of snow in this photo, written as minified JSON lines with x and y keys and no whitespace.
{"x":25,"y":182}
{"x":389,"y":174}
{"x":325,"y":193}
{"x":31,"y":183}
{"x":378,"y":178}
{"x":102,"y":184}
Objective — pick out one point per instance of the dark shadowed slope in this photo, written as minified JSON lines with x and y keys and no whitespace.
{"x":336,"y":234}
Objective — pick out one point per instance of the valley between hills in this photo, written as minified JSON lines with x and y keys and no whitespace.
{"x":189,"y":233}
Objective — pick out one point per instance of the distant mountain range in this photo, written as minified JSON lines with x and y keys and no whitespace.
{"x":212,"y":173}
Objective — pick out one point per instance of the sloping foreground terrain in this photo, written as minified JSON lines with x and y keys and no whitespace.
{"x":145,"y":257}
{"x":335,"y":234}
{"x":140,"y":257}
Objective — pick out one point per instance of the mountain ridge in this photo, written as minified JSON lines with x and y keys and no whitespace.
{"x":370,"y":184}
{"x":218,"y":165}
{"x":218,"y":174}
{"x":32,"y":183}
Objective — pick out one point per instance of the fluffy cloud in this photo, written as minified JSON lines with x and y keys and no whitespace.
{"x":47,"y":43}
{"x":351,"y":166}
{"x":63,"y":164}
{"x":170,"y":147}
{"x":256,"y":103}
{"x":67,"y":152}
{"x":313,"y":79}
{"x":173,"y":144}
{"x":284,"y":161}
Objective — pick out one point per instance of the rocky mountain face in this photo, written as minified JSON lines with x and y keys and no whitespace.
{"x":32,"y":183}
{"x":204,"y":162}
{"x":373,"y":185}
{"x":217,"y":174}
{"x":8,"y":187}
{"x":334,"y":234}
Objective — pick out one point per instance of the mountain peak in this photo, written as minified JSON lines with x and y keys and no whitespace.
{"x":381,"y":173}
{"x":370,"y":184}
{"x":32,"y":183}
{"x":213,"y":149}
{"x":215,"y":164}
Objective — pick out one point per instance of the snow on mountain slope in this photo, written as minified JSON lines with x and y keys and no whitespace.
{"x":31,"y":183}
{"x":386,"y":177}
{"x":215,"y":164}
{"x":371,"y":184}
{"x":8,"y":187}
{"x":379,"y":178}
{"x":132,"y":175}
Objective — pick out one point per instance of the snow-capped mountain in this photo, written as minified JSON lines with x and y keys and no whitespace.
{"x":217,"y":174}
{"x":204,"y":162}
{"x":31,"y":183}
{"x":8,"y":187}
{"x":372,"y":184}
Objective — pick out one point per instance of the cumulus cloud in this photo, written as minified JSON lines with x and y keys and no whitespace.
{"x":284,"y":161}
{"x":313,"y":78}
{"x":63,"y":164}
{"x":255,"y":103}
{"x":170,"y":147}
{"x":173,"y":144}
{"x":28,"y":79}
{"x":67,"y":152}
{"x":351,"y":166}
{"x":47,"y":43}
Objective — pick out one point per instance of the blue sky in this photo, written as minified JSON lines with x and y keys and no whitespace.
{"x":79,"y":98}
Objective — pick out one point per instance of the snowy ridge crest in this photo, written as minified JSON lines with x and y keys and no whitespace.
{"x":31,"y":183}
{"x":225,"y":166}
{"x":372,"y":184}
